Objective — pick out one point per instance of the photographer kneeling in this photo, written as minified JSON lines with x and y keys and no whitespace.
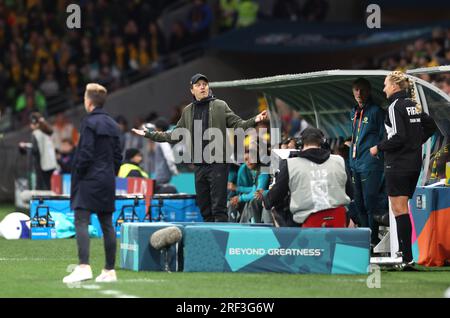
{"x":316,"y":182}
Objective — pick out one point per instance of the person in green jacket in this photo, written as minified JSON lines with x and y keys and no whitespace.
{"x":211,"y":170}
{"x":39,"y":101}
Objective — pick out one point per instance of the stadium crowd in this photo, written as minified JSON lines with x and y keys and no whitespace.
{"x":43,"y":64}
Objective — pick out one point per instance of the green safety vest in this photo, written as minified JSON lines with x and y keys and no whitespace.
{"x":126,"y":168}
{"x":228,"y":6}
{"x":247,"y":13}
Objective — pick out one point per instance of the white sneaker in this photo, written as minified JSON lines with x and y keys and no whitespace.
{"x":107,"y":276}
{"x":79,"y":274}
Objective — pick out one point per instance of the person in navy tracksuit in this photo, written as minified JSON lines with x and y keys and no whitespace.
{"x":367,"y":171}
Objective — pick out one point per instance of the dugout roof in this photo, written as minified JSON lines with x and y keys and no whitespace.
{"x":325,"y":98}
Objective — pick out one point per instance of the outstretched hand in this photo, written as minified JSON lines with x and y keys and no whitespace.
{"x":138,"y":132}
{"x":261,"y":117}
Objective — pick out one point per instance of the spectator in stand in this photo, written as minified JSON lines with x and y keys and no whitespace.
{"x":315,"y":10}
{"x":227,"y":12}
{"x":287,"y":10}
{"x":156,"y":42}
{"x":105,"y":72}
{"x":63,"y":129}
{"x":199,"y":21}
{"x":73,"y":82}
{"x":31,"y":100}
{"x":145,"y":58}
{"x":178,"y":37}
{"x":49,"y":87}
{"x":32,"y":50}
{"x":120,"y":55}
{"x":247,"y":13}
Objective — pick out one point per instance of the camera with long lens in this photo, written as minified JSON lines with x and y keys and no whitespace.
{"x":148,"y":127}
{"x":34,"y":119}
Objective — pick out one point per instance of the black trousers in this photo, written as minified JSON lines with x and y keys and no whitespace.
{"x":43,"y":179}
{"x":211,"y":188}
{"x":82,"y":219}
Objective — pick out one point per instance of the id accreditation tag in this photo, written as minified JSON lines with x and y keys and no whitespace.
{"x":354,"y":151}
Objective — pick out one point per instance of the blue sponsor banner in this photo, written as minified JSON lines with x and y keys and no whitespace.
{"x":286,"y":250}
{"x":249,"y":248}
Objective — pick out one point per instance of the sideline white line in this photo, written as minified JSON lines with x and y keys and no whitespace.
{"x":110,"y":292}
{"x":116,"y":294}
{"x":91,"y":287}
{"x":127,"y":296}
{"x":141,"y":280}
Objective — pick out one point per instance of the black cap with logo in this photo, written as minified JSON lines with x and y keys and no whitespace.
{"x":198,"y":77}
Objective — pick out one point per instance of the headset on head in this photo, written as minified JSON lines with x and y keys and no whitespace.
{"x":312,"y":131}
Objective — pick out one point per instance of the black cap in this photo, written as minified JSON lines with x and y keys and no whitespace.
{"x":198,"y":77}
{"x":312,"y":131}
{"x":130,"y":153}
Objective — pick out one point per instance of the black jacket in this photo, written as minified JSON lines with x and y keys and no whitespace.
{"x":406,"y":131}
{"x":66,"y":161}
{"x":96,"y":163}
{"x":201,"y":113}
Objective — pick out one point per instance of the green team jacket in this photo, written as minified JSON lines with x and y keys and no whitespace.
{"x":220,"y":116}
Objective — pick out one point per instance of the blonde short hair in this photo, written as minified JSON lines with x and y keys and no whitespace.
{"x":96,"y":93}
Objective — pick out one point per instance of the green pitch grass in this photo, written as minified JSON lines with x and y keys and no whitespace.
{"x":36,"y":268}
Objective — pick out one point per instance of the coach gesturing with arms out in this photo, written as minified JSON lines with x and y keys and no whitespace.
{"x":211,"y":176}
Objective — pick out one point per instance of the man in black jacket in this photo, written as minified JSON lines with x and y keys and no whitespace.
{"x":407,"y":128}
{"x":95,"y":167}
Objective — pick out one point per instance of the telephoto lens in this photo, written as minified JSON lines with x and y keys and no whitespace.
{"x":148,"y":127}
